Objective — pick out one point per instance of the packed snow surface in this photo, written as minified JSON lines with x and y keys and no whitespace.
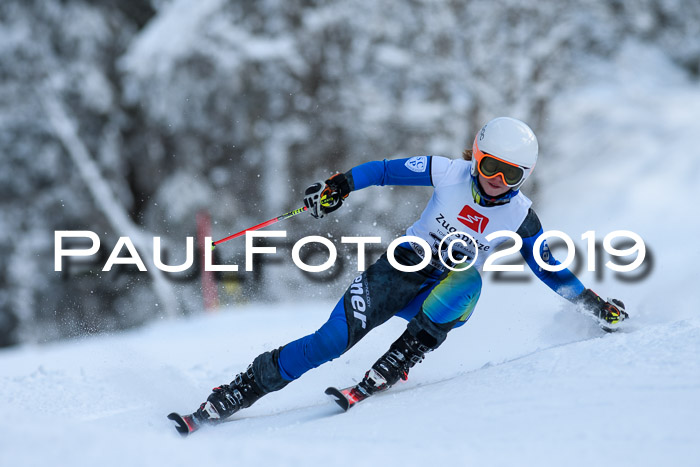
{"x":542,"y":387}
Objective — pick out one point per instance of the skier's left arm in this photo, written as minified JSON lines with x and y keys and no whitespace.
{"x":564,"y":282}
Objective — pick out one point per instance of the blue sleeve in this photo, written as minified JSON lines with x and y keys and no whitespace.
{"x":563,"y":282}
{"x":393,"y":172}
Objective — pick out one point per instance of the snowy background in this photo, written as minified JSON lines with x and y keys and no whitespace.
{"x":130,"y":117}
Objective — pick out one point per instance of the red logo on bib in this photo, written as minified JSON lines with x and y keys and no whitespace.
{"x":472,"y":219}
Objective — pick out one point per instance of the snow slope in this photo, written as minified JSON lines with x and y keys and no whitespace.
{"x":544,"y":391}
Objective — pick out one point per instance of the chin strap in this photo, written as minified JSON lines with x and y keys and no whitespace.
{"x":485,"y":200}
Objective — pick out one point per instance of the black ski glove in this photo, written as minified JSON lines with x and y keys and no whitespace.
{"x":612,"y":311}
{"x":323,"y":198}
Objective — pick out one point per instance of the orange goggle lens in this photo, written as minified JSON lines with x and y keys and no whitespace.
{"x":490,"y":166}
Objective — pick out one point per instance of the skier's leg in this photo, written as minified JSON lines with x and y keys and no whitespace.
{"x":373,"y":297}
{"x":448,"y":304}
{"x":326,"y":344}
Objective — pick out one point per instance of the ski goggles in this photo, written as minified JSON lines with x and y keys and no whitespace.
{"x":490,"y":166}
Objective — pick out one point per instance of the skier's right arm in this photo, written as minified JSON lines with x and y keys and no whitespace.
{"x":413,"y":171}
{"x":322,"y":198}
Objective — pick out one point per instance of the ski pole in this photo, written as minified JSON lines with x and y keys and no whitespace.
{"x":260,"y":226}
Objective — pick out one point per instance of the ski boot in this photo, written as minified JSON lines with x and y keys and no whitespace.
{"x":260,"y":378}
{"x":228,"y":399}
{"x":394,"y":365}
{"x":387,"y":371}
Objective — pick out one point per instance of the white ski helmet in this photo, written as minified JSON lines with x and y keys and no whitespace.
{"x":513,"y":148}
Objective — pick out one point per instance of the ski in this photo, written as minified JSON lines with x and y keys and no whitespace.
{"x":185,"y":424}
{"x":348,"y":397}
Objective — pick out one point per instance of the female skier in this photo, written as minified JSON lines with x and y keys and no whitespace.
{"x":477,"y":197}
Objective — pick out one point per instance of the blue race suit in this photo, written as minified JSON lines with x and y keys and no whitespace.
{"x":433,"y":299}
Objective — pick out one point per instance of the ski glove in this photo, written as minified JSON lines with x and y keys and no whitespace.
{"x":323,"y":198}
{"x":612,"y":311}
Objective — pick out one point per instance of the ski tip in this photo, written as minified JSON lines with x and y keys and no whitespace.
{"x":183,"y":424}
{"x":339,"y":398}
